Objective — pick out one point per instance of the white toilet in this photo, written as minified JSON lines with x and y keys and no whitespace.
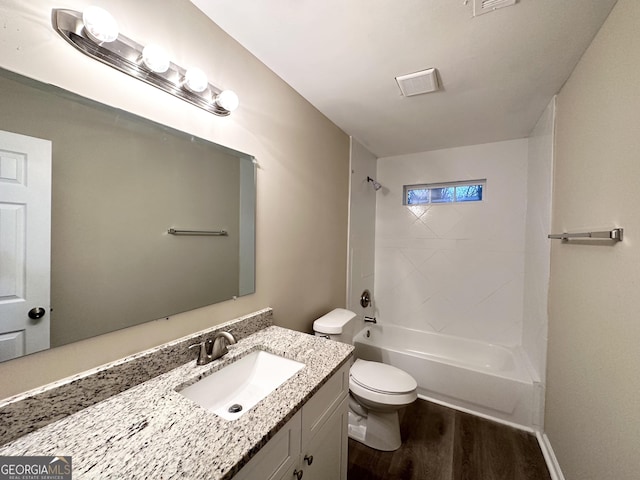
{"x":377,"y":390}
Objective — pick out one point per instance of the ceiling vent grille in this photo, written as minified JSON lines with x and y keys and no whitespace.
{"x":486,"y":6}
{"x":417,"y":83}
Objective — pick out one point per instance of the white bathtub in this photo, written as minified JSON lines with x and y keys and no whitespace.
{"x":489,"y":380}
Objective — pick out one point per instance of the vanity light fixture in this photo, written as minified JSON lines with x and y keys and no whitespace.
{"x":227,"y":100}
{"x":99,"y":25}
{"x":195,"y":80}
{"x":155,"y":59}
{"x":94,"y":32}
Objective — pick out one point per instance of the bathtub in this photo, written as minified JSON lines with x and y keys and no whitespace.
{"x":485,"y":379}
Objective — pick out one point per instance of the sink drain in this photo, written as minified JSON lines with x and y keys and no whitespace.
{"x":235,"y":408}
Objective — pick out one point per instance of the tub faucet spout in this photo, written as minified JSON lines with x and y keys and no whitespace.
{"x":370,"y":319}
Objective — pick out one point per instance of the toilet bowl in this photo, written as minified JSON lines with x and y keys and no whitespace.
{"x":381,"y":390}
{"x":377,"y":390}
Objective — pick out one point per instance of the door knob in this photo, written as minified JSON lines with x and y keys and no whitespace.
{"x":36,"y":313}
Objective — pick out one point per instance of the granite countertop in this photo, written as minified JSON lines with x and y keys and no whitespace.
{"x":151,"y":431}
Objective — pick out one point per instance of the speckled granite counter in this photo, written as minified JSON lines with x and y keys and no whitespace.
{"x":151,"y":431}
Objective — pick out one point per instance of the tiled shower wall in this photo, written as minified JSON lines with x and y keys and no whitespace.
{"x":459,"y":268}
{"x":537,"y":245}
{"x":362,"y":217}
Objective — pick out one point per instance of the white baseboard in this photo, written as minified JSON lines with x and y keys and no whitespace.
{"x":549,"y":457}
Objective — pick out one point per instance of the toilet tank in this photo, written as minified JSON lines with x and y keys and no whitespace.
{"x":338,"y":325}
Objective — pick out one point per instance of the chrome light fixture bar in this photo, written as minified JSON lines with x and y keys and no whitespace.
{"x":95,"y":33}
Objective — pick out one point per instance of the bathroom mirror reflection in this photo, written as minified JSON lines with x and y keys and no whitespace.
{"x":118,"y":184}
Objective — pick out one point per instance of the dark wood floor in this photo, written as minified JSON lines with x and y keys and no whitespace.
{"x":443,"y":444}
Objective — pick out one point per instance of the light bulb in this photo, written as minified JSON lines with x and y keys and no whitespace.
{"x":195,"y":80}
{"x":155,"y":59}
{"x":99,"y":25}
{"x":228,"y":100}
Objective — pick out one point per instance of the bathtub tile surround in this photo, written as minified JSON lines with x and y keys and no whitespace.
{"x":538,"y":246}
{"x":475,"y":272}
{"x":456,"y":269}
{"x":36,"y":408}
{"x":362,"y":218}
{"x":152,"y":431}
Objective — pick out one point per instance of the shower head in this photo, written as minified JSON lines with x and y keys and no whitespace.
{"x":376,"y":185}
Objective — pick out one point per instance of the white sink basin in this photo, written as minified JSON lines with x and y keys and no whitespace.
{"x":242,"y":383}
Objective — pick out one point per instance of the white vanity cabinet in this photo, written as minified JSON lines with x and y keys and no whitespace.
{"x":313,"y":444}
{"x":324,"y":457}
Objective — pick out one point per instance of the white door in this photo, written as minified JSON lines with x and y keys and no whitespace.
{"x":25,"y":244}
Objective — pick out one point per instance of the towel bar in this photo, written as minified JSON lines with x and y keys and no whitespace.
{"x":613,"y":234}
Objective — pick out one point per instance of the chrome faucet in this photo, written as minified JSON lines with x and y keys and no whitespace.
{"x":211,"y":350}
{"x":219,"y":346}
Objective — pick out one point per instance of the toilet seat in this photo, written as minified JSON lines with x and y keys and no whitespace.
{"x":375,"y":383}
{"x":381,"y":378}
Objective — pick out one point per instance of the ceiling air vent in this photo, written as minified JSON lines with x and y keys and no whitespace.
{"x":417,"y":83}
{"x":486,"y":6}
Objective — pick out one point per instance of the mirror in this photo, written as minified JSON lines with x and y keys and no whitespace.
{"x":118,"y":184}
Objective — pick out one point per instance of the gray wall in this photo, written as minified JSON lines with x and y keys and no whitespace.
{"x":592,"y":416}
{"x":302,"y":180}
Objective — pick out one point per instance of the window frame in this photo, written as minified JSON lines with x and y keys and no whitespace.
{"x":432,"y":186}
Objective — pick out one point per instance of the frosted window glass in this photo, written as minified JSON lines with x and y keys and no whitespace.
{"x":469,"y":193}
{"x":450,"y":192}
{"x":417,"y":196}
{"x":442,"y":195}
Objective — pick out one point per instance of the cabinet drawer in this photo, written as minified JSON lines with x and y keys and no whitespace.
{"x":324,"y":402}
{"x":277,"y":456}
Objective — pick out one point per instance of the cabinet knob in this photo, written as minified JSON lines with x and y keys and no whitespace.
{"x":297,"y":474}
{"x":308,"y":459}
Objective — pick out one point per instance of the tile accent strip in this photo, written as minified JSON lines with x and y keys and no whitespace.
{"x":29,"y":411}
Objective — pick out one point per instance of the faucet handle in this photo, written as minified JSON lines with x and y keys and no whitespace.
{"x":205,"y":351}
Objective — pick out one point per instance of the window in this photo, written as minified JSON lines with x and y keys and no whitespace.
{"x":449,"y":192}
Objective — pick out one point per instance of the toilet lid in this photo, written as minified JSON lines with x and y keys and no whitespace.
{"x":381,"y":377}
{"x":333,"y":322}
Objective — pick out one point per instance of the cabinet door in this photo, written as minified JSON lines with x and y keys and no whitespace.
{"x":324,"y":401}
{"x":278,"y":457}
{"x":328,"y":448}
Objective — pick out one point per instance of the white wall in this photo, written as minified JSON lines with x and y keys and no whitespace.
{"x":593,"y":383}
{"x":457,"y":269}
{"x":362,"y":217}
{"x":537,"y":245}
{"x":302,"y":184}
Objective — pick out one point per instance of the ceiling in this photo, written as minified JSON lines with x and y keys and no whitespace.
{"x":498,"y":70}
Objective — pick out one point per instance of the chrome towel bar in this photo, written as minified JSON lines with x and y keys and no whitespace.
{"x":614,"y":234}
{"x":211,"y":233}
